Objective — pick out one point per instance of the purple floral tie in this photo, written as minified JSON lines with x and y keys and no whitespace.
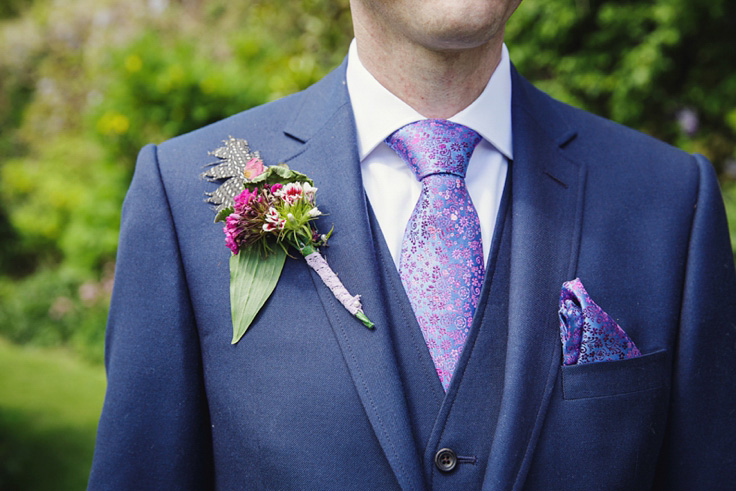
{"x":441,"y":264}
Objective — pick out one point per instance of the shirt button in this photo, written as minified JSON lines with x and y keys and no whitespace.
{"x":445,"y":459}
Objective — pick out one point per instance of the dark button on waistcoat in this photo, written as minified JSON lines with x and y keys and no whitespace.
{"x":464,"y":419}
{"x":445,"y":459}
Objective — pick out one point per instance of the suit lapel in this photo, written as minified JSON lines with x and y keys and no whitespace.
{"x":329,"y":156}
{"x":547,"y":195}
{"x":546,"y":207}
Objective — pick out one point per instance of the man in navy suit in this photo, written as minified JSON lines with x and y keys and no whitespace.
{"x":311,"y":399}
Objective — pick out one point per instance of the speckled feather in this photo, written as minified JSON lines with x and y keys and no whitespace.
{"x":234,"y":155}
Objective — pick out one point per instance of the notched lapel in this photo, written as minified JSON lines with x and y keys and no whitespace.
{"x":547,"y":198}
{"x":329,"y":156}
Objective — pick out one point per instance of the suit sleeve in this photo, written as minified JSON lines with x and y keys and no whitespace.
{"x":699,"y":449}
{"x":154,"y":428}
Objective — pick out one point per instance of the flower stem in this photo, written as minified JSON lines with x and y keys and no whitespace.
{"x":330,"y":279}
{"x":364,"y":319}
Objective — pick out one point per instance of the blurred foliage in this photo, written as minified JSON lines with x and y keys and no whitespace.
{"x":12,"y":8}
{"x":163,"y":84}
{"x":665,"y":67}
{"x":49,"y":406}
{"x":729,"y":199}
{"x":85,"y":83}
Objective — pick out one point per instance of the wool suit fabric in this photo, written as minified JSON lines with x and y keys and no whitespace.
{"x":311,"y":399}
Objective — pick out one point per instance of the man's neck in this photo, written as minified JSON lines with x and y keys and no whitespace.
{"x":437,"y":84}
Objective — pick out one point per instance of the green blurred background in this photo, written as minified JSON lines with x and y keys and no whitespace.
{"x":85,"y":83}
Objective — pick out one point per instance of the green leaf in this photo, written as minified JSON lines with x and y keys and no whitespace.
{"x":220,"y":217}
{"x":252,"y":280}
{"x":280,"y":174}
{"x":289,"y":175}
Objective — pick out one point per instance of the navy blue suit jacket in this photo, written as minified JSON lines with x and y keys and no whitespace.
{"x":310,"y":399}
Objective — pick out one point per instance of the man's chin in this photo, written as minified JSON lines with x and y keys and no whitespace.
{"x":457,"y":41}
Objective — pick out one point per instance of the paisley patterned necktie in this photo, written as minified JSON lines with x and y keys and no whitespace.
{"x":441,"y":264}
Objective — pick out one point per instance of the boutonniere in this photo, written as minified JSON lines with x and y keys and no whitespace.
{"x":269,"y":212}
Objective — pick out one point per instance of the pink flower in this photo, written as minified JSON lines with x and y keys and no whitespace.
{"x":243,"y":200}
{"x":244,"y":226}
{"x":254,"y":168}
{"x":232,"y":230}
{"x":276,"y":187}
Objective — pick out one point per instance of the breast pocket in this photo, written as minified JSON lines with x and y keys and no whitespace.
{"x":611,"y":378}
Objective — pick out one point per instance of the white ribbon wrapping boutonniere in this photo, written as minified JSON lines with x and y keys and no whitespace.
{"x":267,"y":211}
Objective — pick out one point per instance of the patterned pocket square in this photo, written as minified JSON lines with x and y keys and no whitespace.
{"x":588,"y":334}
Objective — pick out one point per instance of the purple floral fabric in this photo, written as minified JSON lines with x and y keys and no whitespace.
{"x":441,"y":264}
{"x":588,"y":334}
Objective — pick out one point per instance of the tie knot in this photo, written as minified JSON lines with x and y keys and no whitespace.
{"x":434,"y":146}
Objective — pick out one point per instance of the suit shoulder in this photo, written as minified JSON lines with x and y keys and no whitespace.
{"x":589,"y":134}
{"x":257,"y":123}
{"x":623,"y":161}
{"x":620,"y":155}
{"x":601,"y":141}
{"x":183,"y":158}
{"x":180,"y":162}
{"x":614,"y":138}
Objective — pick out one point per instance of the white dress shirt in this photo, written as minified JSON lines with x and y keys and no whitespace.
{"x":392,"y":188}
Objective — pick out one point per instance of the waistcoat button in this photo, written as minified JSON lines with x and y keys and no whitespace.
{"x":445,"y":459}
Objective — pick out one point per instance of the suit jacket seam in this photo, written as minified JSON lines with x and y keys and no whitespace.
{"x":186,"y":284}
{"x":377,"y":414}
{"x":176,"y":238}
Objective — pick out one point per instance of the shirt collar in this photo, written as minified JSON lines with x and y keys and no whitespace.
{"x":378,"y":112}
